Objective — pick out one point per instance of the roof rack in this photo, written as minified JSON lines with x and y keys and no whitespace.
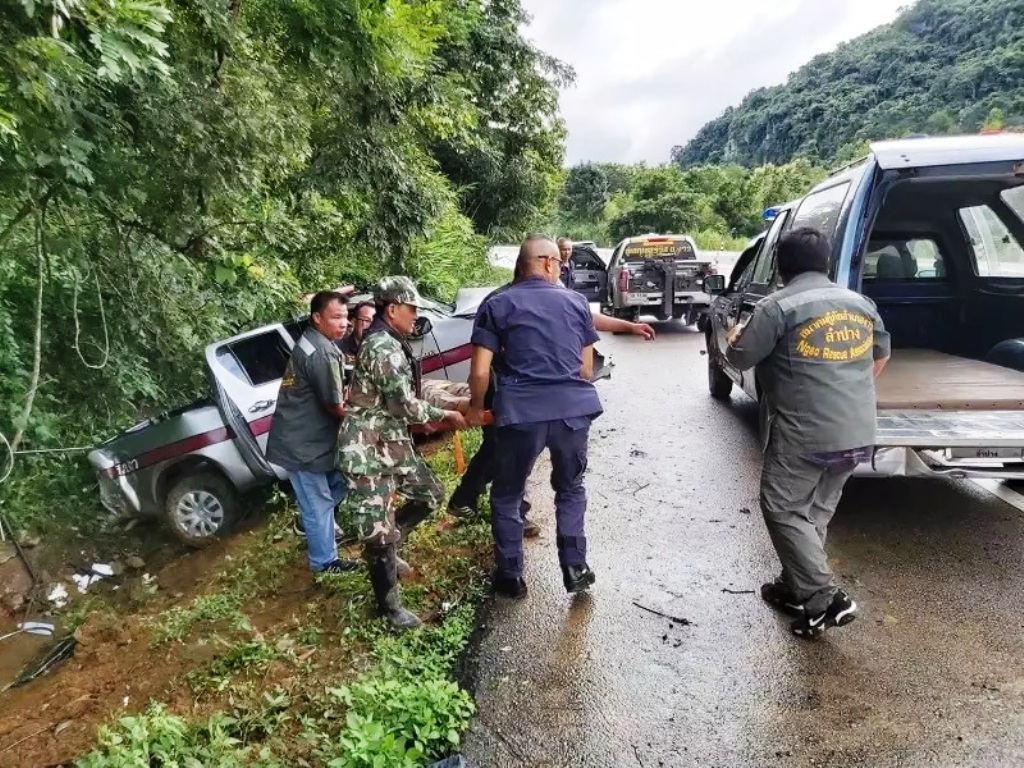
{"x":848,"y":166}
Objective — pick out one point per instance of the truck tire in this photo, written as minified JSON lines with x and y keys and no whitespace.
{"x":200,"y":508}
{"x":625,"y":314}
{"x":719,"y":383}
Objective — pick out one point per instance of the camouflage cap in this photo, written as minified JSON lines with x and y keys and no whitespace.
{"x":397,"y":289}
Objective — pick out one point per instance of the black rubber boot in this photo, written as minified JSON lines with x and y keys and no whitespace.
{"x":577,"y":578}
{"x":409,"y":515}
{"x":382,"y":565}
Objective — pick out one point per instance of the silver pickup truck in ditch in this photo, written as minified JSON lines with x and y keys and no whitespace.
{"x":194,"y":465}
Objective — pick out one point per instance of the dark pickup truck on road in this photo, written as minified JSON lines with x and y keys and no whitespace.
{"x":932,"y":230}
{"x":657,"y":275}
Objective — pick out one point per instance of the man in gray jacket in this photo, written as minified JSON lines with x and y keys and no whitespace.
{"x":817,"y":349}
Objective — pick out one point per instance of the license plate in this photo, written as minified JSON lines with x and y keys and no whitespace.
{"x":986,"y":453}
{"x":636,"y":298}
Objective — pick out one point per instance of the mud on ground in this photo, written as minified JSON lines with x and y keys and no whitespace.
{"x":136,"y":644}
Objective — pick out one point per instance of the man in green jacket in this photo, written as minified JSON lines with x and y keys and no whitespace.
{"x":376,"y":451}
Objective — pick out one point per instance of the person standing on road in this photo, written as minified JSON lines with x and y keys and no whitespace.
{"x":480,"y":472}
{"x":565,"y":253}
{"x":376,"y":451}
{"x":544,"y":336}
{"x":817,"y":348}
{"x":303,"y":435}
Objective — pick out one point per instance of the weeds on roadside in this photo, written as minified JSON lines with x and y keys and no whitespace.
{"x":407,"y":709}
{"x":178,"y":622}
{"x":252,"y":658}
{"x":158,"y":738}
{"x":404,"y":710}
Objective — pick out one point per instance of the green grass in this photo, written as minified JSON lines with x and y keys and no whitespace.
{"x":392,"y":703}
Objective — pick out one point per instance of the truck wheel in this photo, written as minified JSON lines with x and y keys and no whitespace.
{"x":719,"y":384}
{"x":201,"y":507}
{"x":625,"y":314}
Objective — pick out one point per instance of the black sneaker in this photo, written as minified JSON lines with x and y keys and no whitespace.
{"x":840,"y":612}
{"x":577,"y":578}
{"x":779,"y":596}
{"x":508,"y":586}
{"x":340,"y":566}
{"x":461,"y":510}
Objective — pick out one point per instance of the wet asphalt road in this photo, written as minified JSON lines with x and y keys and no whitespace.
{"x":931,"y":674}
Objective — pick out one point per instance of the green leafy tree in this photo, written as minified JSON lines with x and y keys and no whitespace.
{"x":585,"y":193}
{"x":175,"y":171}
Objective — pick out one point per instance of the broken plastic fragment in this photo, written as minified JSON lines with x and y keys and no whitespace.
{"x":58,"y":595}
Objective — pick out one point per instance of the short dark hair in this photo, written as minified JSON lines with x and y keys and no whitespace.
{"x":804,"y":249}
{"x":322,"y":299}
{"x":362,"y":304}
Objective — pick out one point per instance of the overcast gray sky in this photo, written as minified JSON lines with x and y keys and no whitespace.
{"x":650,"y":73}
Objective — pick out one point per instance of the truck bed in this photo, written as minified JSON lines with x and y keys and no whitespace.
{"x":929,"y":399}
{"x":923,"y":379}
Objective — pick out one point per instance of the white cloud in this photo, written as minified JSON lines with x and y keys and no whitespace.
{"x":650,"y":73}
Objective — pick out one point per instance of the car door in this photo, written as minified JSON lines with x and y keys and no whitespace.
{"x":588,"y":274}
{"x":246,"y":372}
{"x":725,"y":308}
{"x":762,"y":281}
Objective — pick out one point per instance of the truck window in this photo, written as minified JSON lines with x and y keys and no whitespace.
{"x":821,"y":209}
{"x":896,"y":258}
{"x":645,"y":248}
{"x":257,"y":359}
{"x":995,"y":252}
{"x":765,"y":267}
{"x":1014,"y":199}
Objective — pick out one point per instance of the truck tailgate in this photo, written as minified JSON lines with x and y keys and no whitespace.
{"x":950,"y":429}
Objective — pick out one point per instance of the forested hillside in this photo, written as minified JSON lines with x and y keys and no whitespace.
{"x":944,"y":66}
{"x":173,"y":171}
{"x":719,"y":205}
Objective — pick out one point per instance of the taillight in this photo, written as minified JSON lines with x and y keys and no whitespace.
{"x":624,"y":280}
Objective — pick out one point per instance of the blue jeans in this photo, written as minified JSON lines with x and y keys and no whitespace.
{"x":318,"y":493}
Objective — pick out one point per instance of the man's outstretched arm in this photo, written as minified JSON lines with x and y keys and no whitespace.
{"x":617,"y":325}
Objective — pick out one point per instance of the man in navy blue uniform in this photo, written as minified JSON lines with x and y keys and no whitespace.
{"x":484,"y":464}
{"x":543,"y":336}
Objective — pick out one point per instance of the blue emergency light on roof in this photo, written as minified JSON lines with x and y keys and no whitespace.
{"x":770,"y":214}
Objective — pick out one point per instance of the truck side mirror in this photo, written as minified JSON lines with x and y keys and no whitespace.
{"x":422,"y":328}
{"x":714,"y":285}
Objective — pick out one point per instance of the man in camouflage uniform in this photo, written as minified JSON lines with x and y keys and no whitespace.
{"x":376,"y":451}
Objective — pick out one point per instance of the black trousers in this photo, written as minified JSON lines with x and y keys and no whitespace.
{"x":479,"y":473}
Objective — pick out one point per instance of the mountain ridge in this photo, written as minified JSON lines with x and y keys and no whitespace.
{"x":941,"y":67}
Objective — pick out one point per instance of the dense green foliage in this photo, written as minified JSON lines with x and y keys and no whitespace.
{"x":944,"y":66}
{"x":720,"y":206}
{"x":175,"y":171}
{"x":392,"y":702}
